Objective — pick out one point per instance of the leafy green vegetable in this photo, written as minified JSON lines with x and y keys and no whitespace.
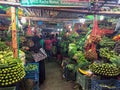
{"x":3,"y":46}
{"x":80,"y":59}
{"x":71,"y":66}
{"x":106,"y":42}
{"x":72,"y":49}
{"x":107,"y":53}
{"x":115,"y":60}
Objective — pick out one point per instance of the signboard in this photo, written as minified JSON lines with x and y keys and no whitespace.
{"x":55,"y":3}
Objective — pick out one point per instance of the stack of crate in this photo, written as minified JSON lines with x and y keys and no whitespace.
{"x":33,"y":75}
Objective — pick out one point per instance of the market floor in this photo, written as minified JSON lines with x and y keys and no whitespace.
{"x":54,"y":80}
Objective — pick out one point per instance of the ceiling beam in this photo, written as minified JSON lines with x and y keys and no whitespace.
{"x":87,"y":12}
{"x":49,"y":19}
{"x":40,"y":18}
{"x":112,"y":5}
{"x":9,"y":3}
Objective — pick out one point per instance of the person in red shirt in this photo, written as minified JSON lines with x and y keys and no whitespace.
{"x":54,"y":39}
{"x":54,"y":45}
{"x":48,"y":46}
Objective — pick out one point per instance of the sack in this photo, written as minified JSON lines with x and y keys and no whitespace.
{"x":43,"y":51}
{"x":40,"y":55}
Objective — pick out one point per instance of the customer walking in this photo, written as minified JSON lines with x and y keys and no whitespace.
{"x":35,"y":48}
{"x":48,"y":46}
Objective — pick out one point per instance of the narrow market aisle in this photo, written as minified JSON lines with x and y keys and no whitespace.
{"x":54,"y":80}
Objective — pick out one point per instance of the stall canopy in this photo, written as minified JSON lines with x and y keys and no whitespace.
{"x":47,"y":9}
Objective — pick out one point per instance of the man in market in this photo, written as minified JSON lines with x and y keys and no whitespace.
{"x":48,"y":46}
{"x":35,"y":46}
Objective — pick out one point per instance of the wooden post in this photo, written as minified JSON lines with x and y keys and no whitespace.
{"x":14,"y":32}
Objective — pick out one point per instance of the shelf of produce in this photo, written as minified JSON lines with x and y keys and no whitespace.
{"x":32,"y":72}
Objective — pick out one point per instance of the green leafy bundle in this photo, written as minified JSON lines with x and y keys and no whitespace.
{"x":106,"y":42}
{"x":3,"y":46}
{"x":11,"y":69}
{"x":81,"y":60}
{"x":107,"y":53}
{"x":72,"y":49}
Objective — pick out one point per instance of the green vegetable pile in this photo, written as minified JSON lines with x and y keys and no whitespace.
{"x":110,"y":55}
{"x":81,"y":60}
{"x":80,"y":42}
{"x":64,"y":45}
{"x":11,"y":69}
{"x":70,"y":66}
{"x":72,"y":37}
{"x":11,"y":75}
{"x":105,"y":69}
{"x":31,"y":67}
{"x":115,"y":60}
{"x":107,"y":53}
{"x":77,"y":55}
{"x":3,"y":46}
{"x":106,"y":42}
{"x":72,"y":49}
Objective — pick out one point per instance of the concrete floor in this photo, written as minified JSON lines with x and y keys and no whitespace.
{"x":54,"y":80}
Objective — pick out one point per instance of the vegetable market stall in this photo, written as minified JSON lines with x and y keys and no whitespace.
{"x":103,"y":67}
{"x":94,"y":54}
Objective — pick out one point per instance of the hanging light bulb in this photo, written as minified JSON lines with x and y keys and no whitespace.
{"x":70,"y":29}
{"x":82,"y":20}
{"x":61,"y":29}
{"x":118,"y":1}
{"x":19,"y":25}
{"x":32,"y":29}
{"x":69,"y":26}
{"x":101,"y":17}
{"x":23,"y":20}
{"x":58,"y":29}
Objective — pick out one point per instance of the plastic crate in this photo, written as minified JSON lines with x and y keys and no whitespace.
{"x":83,"y":81}
{"x":35,"y":63}
{"x":32,"y":74}
{"x":8,"y":88}
{"x":103,"y":84}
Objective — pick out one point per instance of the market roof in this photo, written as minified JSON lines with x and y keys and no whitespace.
{"x":45,"y":13}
